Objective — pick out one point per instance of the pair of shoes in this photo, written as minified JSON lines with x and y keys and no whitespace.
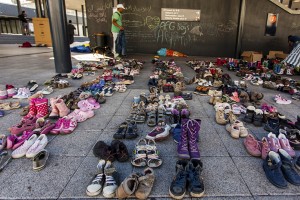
{"x":159,"y":133}
{"x":272,"y":125}
{"x":27,"y":124}
{"x":187,"y":147}
{"x":127,"y":130}
{"x":188,"y":174}
{"x":65,"y":125}
{"x":105,"y":181}
{"x":138,"y":184}
{"x":32,"y":85}
{"x":279,"y":169}
{"x":88,"y":104}
{"x":31,"y":147}
{"x":81,"y":116}
{"x":254,"y":116}
{"x":7,"y":91}
{"x":238,"y":109}
{"x":117,"y":150}
{"x":280,"y":100}
{"x":280,"y":142}
{"x":179,"y":115}
{"x":23,"y":93}
{"x":237,"y":129}
{"x":146,"y":154}
{"x":38,"y":107}
{"x":59,"y":108}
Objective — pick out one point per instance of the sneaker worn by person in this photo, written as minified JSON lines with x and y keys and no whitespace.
{"x":273,"y":142}
{"x":40,"y":159}
{"x":38,"y":146}
{"x":252,"y":146}
{"x":287,"y":168}
{"x":178,"y":186}
{"x":21,"y":151}
{"x":272,"y":167}
{"x":146,"y":182}
{"x":195,"y":181}
{"x":285,"y":145}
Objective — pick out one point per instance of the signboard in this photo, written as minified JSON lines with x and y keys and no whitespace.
{"x":271,"y":25}
{"x":174,"y":14}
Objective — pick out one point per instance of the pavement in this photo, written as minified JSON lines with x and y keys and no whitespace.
{"x":229,"y":171}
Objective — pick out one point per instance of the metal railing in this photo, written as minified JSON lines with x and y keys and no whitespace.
{"x":11,"y":25}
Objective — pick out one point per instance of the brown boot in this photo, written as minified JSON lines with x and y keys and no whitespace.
{"x":62,"y":108}
{"x":128,"y":186}
{"x":145,"y":184}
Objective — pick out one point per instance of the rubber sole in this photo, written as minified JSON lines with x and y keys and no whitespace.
{"x":174,"y":196}
{"x":197,"y":195}
{"x":271,"y":181}
{"x":94,"y":193}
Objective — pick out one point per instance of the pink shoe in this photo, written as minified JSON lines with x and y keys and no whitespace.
{"x":273,"y":142}
{"x":54,"y":112}
{"x":21,"y":139}
{"x":20,"y":128}
{"x":10,"y":141}
{"x":265,"y":149}
{"x":41,"y":107}
{"x":58,"y":126}
{"x":69,"y":125}
{"x":285,"y":145}
{"x":81,"y":116}
{"x":32,"y":109}
{"x":252,"y":146}
{"x":88,"y":104}
{"x":62,"y":108}
{"x":235,"y":97}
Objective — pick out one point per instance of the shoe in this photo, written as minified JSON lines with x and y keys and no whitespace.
{"x":146,"y":182}
{"x":231,"y":117}
{"x":3,"y":93}
{"x":96,"y":186}
{"x":252,"y":146}
{"x":40,"y":160}
{"x":159,"y":133}
{"x":281,"y":100}
{"x":272,"y":167}
{"x":81,"y":116}
{"x":288,"y":169}
{"x":272,"y":125}
{"x":176,"y":132}
{"x":193,"y":127}
{"x":220,"y":117}
{"x":38,"y":146}
{"x":195,"y":181}
{"x":273,"y":142}
{"x":131,"y":132}
{"x":5,"y":158}
{"x":265,"y":149}
{"x":54,"y":110}
{"x":32,"y":85}
{"x":111,"y":177}
{"x":62,"y":108}
{"x":3,"y":140}
{"x":41,"y":105}
{"x":58,"y":126}
{"x":128,"y":186}
{"x":297,"y":163}
{"x":103,"y":151}
{"x":234,"y":130}
{"x":68,"y":125}
{"x":32,"y":109}
{"x":250,"y":114}
{"x":182,"y":147}
{"x":22,"y":149}
{"x":21,"y":139}
{"x":120,"y":150}
{"x":285,"y":145}
{"x":120,"y":134}
{"x":88,"y":104}
{"x":178,"y":186}
{"x":243,"y":130}
{"x":293,"y":135}
{"x":258,"y":117}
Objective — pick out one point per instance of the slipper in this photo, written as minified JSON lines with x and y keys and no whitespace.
{"x":47,"y":90}
{"x":32,"y":85}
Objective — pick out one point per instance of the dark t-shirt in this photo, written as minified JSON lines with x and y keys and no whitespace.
{"x":22,"y":18}
{"x":71,"y":29}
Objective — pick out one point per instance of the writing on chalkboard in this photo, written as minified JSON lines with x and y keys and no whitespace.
{"x":99,"y":13}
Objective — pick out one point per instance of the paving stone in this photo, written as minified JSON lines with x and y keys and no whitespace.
{"x":76,"y":188}
{"x":222,"y":178}
{"x":95,"y":123}
{"x":279,"y":197}
{"x":78,"y":143}
{"x":46,"y":184}
{"x":253,"y":174}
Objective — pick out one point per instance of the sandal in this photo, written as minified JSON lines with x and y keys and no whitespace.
{"x":140,"y":154}
{"x":151,"y":119}
{"x":161,"y":118}
{"x":152,"y":155}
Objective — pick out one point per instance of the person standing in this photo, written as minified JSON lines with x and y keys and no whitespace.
{"x":116,"y":26}
{"x":25,"y":26}
{"x":71,"y":32}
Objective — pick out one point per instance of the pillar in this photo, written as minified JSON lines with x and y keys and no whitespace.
{"x":83,"y":20}
{"x":240,"y":28}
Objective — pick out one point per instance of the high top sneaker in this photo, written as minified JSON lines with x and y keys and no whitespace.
{"x":54,"y":112}
{"x":195,"y":181}
{"x":32,"y":109}
{"x":41,"y":107}
{"x":111,"y":181}
{"x":178,"y":186}
{"x":182,"y":147}
{"x":193,"y":127}
{"x":62,"y":108}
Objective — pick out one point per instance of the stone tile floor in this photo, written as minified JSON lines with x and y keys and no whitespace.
{"x":229,"y":171}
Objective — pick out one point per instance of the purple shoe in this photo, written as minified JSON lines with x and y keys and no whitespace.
{"x":47,"y":127}
{"x":193,"y":127}
{"x":21,"y":139}
{"x":273,"y":142}
{"x":176,"y":116}
{"x":58,"y":126}
{"x":182,"y":148}
{"x":10,"y":141}
{"x":185,"y":114}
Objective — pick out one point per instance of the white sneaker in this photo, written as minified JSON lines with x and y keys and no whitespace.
{"x":19,"y":94}
{"x":38,"y":146}
{"x":21,"y":151}
{"x":23,"y":93}
{"x":110,"y":186}
{"x":281,"y":100}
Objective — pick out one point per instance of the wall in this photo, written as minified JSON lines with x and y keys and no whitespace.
{"x":254,"y":28}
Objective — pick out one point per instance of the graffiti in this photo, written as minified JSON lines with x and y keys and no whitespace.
{"x":152,"y":22}
{"x":133,"y":8}
{"x":133,"y":20}
{"x":230,"y":26}
{"x":99,"y":13}
{"x":196,"y":31}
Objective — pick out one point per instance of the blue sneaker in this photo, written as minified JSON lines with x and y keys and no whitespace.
{"x":176,"y":131}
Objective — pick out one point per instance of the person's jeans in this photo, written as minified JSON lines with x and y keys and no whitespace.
{"x":115,"y":35}
{"x":25,"y":28}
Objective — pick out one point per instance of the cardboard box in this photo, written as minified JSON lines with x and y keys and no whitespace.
{"x":251,"y":56}
{"x":281,"y":55}
{"x":42,"y":33}
{"x":272,"y":54}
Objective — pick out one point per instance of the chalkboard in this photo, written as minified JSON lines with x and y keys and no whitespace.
{"x":174,"y":14}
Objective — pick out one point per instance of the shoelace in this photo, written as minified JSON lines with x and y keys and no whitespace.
{"x":181,"y":178}
{"x":97,"y":179}
{"x":109,"y":180}
{"x":196,"y":181}
{"x":191,"y":126}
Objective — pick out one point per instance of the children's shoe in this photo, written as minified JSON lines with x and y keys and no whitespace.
{"x":81,"y":116}
{"x":21,"y":151}
{"x":145,"y":184}
{"x":88,"y":104}
{"x":234,"y":130}
{"x":281,"y":100}
{"x":3,"y":93}
{"x":265,"y":149}
{"x":252,"y":146}
{"x":38,"y":146}
{"x":250,"y":114}
{"x":96,"y":186}
{"x":11,"y":91}
{"x":39,"y":161}
{"x":195,"y":181}
{"x":273,"y":142}
{"x":54,"y":110}
{"x":159,"y":133}
{"x":111,"y":181}
{"x":58,"y":127}
{"x":41,"y":107}
{"x":258,"y":117}
{"x":288,"y":169}
{"x":128,"y":186}
{"x":3,"y":140}
{"x":285,"y":145}
{"x":63,"y":110}
{"x":69,"y":125}
{"x":176,"y":132}
{"x":120,"y":150}
{"x":178,"y":186}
